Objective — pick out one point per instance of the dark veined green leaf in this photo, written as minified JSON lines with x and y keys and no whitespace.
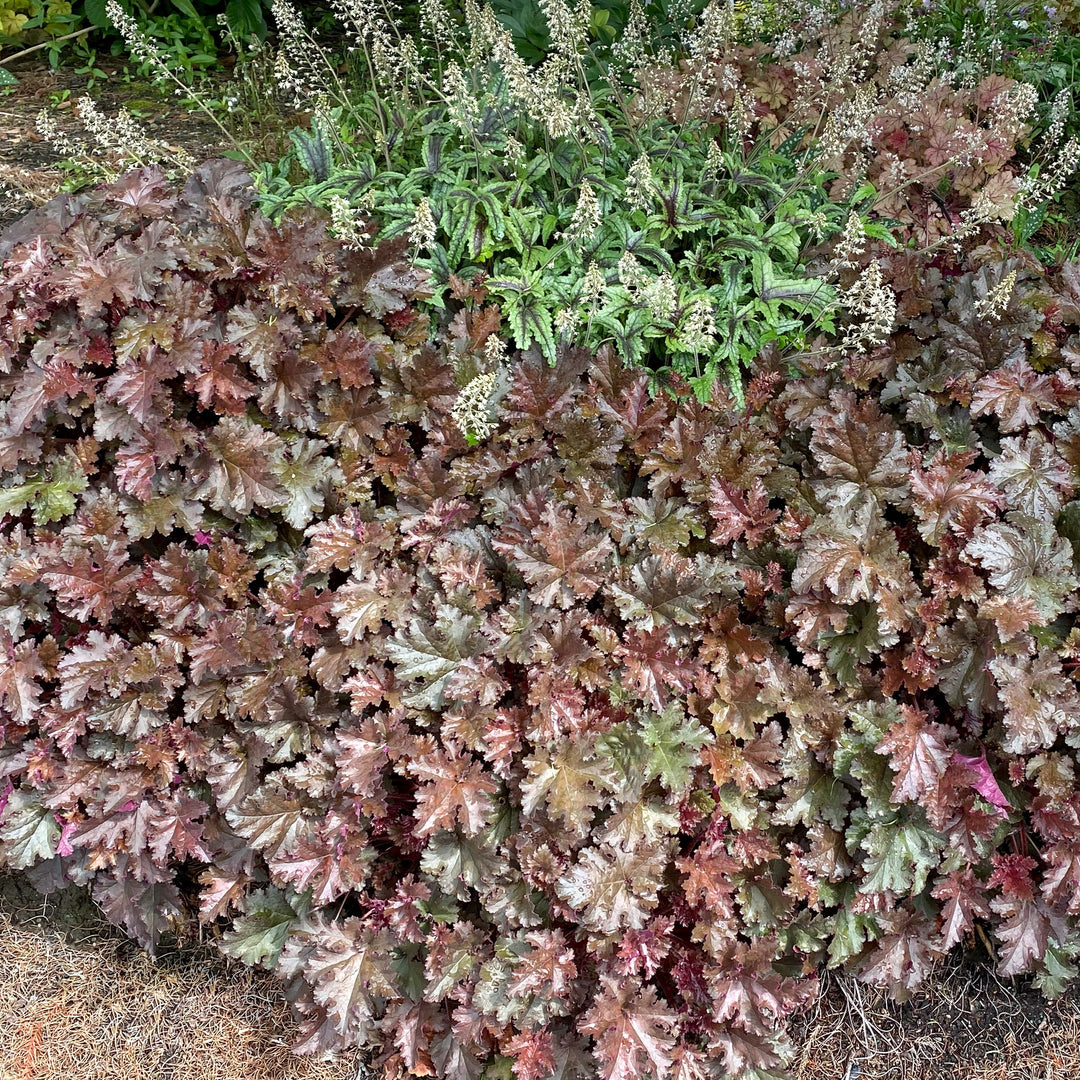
{"x":314,"y":150}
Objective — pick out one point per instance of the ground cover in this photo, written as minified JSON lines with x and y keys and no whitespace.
{"x":873,"y":759}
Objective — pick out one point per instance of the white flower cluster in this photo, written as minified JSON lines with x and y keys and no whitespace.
{"x":872,"y":302}
{"x":472,"y":411}
{"x":1035,"y":190}
{"x":298,"y":65}
{"x":714,"y":32}
{"x":124,"y":135}
{"x":852,"y":244}
{"x":346,"y":223}
{"x":996,"y":302}
{"x":1060,"y":109}
{"x":631,"y":273}
{"x":422,"y":232}
{"x":661,"y":297}
{"x":593,"y":286}
{"x":58,"y":139}
{"x":586,"y":219}
{"x":697,"y":334}
{"x":138,"y":44}
{"x":849,"y":122}
{"x":639,"y":185}
{"x":540,"y":93}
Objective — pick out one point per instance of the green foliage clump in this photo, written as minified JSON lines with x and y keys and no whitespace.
{"x":567,"y":192}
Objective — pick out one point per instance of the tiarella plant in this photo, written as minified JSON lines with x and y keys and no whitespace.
{"x":600,"y":194}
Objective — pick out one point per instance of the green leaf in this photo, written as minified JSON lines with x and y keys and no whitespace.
{"x":460,"y":862}
{"x":6,"y":78}
{"x":95,"y":13}
{"x":188,"y":8}
{"x":625,"y":749}
{"x":858,"y":644}
{"x":851,"y":931}
{"x":29,"y":833}
{"x":673,"y":742}
{"x":245,"y":17}
{"x":900,"y":853}
{"x":1058,"y":968}
{"x":258,"y":936}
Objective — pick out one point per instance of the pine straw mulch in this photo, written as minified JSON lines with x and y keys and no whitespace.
{"x":78,"y":1001}
{"x":964,"y":1024}
{"x":88,"y":1005}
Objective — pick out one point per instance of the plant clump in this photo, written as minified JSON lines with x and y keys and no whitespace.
{"x":567,"y":733}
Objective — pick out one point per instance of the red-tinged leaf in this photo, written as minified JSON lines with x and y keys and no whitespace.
{"x":740,"y":514}
{"x":570,"y":781}
{"x":918,"y":753}
{"x":453,"y":789}
{"x":964,"y":897}
{"x":219,"y":385}
{"x":950,"y":496}
{"x":634,"y":1033}
{"x":689,"y":1063}
{"x":138,"y":386}
{"x":642,"y":952}
{"x":624,"y":397}
{"x":269,"y":821}
{"x":240,"y":468}
{"x":859,"y":451}
{"x":904,"y":956}
{"x":612,"y":888}
{"x":349,"y":967}
{"x":329,"y":868}
{"x":143,"y":908}
{"x":94,"y":582}
{"x":742,"y":1050}
{"x":532,"y":1054}
{"x":1061,"y":881}
{"x":1022,"y":936}
{"x":548,"y":969}
{"x":856,"y":557}
{"x":95,"y":666}
{"x":564,"y":560}
{"x":175,"y":832}
{"x":179,"y":589}
{"x":1035,"y":478}
{"x":653,"y":667}
{"x":21,"y":671}
{"x":754,"y":1005}
{"x":1038,"y":696}
{"x":984,"y":781}
{"x":709,"y":878}
{"x":1015,"y":394}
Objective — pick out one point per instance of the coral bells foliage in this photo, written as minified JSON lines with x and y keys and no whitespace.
{"x":576,"y":745}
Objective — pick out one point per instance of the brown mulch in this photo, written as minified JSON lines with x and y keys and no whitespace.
{"x":965,"y":1023}
{"x":79,"y":1002}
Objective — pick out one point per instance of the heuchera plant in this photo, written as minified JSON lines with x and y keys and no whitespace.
{"x":572,"y":750}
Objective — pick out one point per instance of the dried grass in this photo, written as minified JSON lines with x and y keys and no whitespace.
{"x":104,"y":1010}
{"x":965,"y":1024}
{"x":89,"y":1005}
